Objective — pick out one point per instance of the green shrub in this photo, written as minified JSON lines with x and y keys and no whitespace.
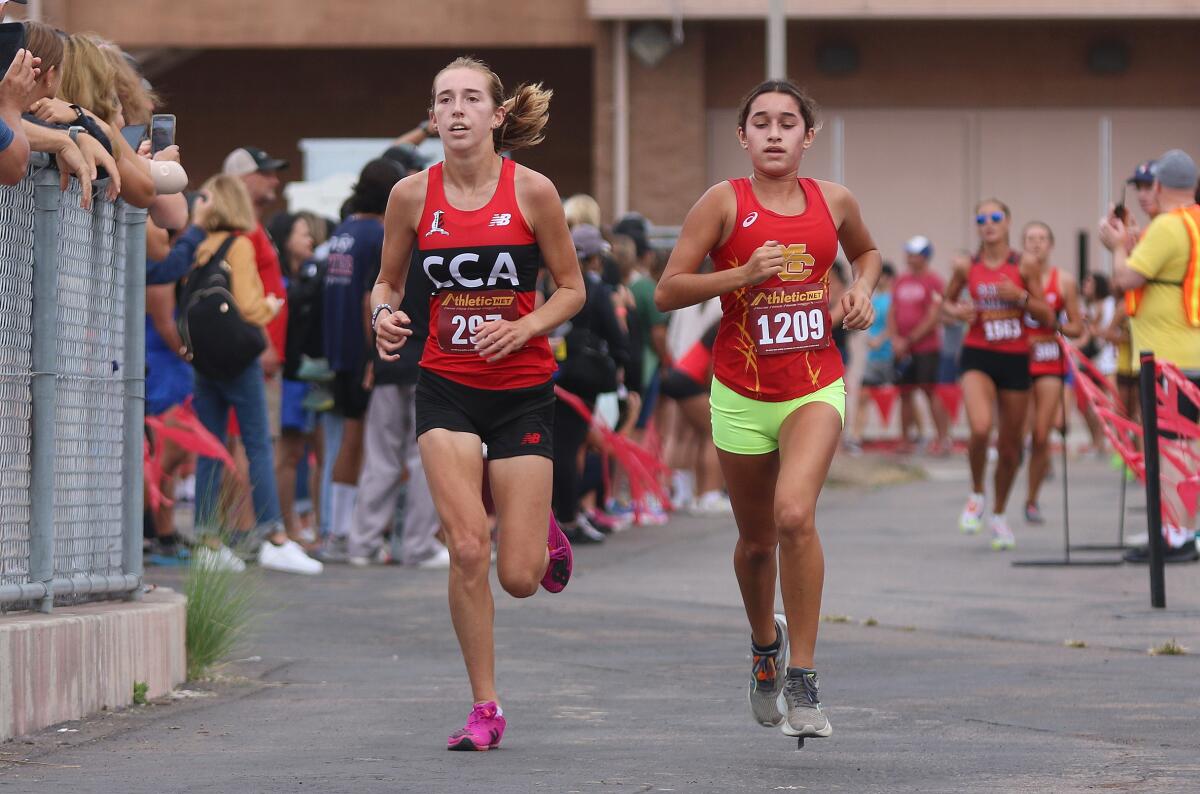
{"x":221,"y":606}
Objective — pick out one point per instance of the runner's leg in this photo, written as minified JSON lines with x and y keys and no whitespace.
{"x":521,"y":490}
{"x":453,"y":464}
{"x":1046,"y":408}
{"x":979,"y":395}
{"x":751,"y":483}
{"x":1013,"y":407}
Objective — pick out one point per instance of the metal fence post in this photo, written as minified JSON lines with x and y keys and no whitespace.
{"x":44,"y":383}
{"x":1149,"y":379}
{"x":135,"y":393}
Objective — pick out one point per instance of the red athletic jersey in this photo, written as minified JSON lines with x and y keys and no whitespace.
{"x":760,"y":352}
{"x":478,"y":266}
{"x":999,"y":324}
{"x":1045,"y":355}
{"x":271,"y":275}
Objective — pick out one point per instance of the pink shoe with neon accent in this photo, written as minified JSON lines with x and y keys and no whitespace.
{"x":562,"y":560}
{"x":483,"y":731}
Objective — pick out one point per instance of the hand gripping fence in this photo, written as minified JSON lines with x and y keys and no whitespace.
{"x":72,"y":393}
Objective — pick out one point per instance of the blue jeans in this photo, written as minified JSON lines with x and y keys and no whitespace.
{"x":247,"y":395}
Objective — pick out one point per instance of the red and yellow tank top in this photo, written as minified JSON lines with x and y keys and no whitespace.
{"x":999,"y":324}
{"x":1045,"y":354}
{"x":479,"y":265}
{"x":774,"y":342}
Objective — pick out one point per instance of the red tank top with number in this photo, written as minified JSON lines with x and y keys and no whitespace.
{"x":479,"y":266}
{"x":999,"y":324}
{"x":1045,"y":354}
{"x":774,"y":342}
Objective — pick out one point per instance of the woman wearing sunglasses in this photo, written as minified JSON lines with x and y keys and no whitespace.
{"x":1003,"y":287}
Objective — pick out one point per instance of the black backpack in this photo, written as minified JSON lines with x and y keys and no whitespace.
{"x":219,"y":343}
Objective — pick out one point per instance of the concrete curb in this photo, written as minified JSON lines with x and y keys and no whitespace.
{"x":82,"y":659}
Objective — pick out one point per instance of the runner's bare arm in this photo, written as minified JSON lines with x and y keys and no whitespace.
{"x":706,"y":226}
{"x":1035,"y":305}
{"x":854,"y":311}
{"x":399,"y":233}
{"x":1073,"y":327}
{"x":952,"y":308}
{"x":539,"y":202}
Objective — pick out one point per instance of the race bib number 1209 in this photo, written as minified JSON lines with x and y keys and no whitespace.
{"x":790,"y":319}
{"x":461,"y":314}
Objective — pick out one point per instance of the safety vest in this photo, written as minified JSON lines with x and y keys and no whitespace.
{"x":1191,"y":279}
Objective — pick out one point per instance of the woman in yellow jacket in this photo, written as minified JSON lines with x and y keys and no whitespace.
{"x":224,"y":208}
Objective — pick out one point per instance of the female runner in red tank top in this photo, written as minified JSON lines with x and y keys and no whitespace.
{"x":777,"y":396}
{"x":1047,"y":365}
{"x":1003,"y":287}
{"x":479,"y":227}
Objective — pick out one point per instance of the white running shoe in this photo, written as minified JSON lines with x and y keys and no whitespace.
{"x":221,"y":558}
{"x":288,"y":557}
{"x":712,"y":503}
{"x":438,"y":561}
{"x":1002,"y":536}
{"x":971,"y":520}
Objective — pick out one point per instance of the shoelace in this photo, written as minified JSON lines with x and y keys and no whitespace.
{"x":802,"y":689}
{"x":764,"y":668}
{"x":478,"y":715}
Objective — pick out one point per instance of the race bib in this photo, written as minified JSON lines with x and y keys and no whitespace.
{"x":790,"y":319}
{"x":461,"y":314}
{"x":1045,"y":351}
{"x":1005,"y":330}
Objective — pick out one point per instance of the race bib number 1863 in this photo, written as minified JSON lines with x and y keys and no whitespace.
{"x":461,"y":314}
{"x":790,"y":319}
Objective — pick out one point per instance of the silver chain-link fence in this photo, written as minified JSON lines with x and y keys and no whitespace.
{"x":72,"y":353}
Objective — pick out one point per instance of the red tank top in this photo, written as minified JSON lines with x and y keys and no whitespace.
{"x":479,"y":266}
{"x":774,"y":342}
{"x":999,"y":324}
{"x":1045,"y":355}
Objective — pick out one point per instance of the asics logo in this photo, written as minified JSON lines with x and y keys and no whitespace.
{"x":500,"y":219}
{"x":750,"y":219}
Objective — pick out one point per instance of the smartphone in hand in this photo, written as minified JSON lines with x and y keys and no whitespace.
{"x":162,"y":132}
{"x":12,"y":38}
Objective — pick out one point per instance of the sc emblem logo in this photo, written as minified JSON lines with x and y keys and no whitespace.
{"x":798,"y":264}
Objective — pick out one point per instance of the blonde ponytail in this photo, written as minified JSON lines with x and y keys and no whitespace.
{"x":527,"y":112}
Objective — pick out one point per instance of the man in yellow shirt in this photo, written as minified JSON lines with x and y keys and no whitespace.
{"x":1157,"y":266}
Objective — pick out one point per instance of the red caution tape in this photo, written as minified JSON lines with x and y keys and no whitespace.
{"x":884,"y":398}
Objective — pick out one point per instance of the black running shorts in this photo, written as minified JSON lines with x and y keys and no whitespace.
{"x":1009,"y":371}
{"x":679,"y":385}
{"x":920,"y":369}
{"x":512,"y":422}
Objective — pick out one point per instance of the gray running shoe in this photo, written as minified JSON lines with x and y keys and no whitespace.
{"x":804,"y":715}
{"x":766,"y":680}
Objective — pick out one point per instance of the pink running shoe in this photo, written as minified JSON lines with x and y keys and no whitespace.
{"x":483,"y":731}
{"x":562,"y":561}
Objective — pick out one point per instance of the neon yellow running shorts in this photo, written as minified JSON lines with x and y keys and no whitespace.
{"x":751,"y":427}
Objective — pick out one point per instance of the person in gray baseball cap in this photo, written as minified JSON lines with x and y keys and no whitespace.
{"x":1162,"y":271}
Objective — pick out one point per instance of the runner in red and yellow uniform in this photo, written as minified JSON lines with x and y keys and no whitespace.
{"x":475,"y":230}
{"x":1047,"y":365}
{"x":1003,"y":287}
{"x":778,"y":400}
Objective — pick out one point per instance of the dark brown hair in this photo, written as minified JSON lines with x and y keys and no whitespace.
{"x":808,"y":107}
{"x":526,"y":112}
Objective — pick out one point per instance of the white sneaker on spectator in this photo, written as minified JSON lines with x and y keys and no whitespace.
{"x":438,"y":561}
{"x":218,"y":559}
{"x":712,"y":503}
{"x":287,"y":557}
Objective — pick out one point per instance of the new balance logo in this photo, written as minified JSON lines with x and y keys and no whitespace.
{"x":531,"y":438}
{"x":501,"y":219}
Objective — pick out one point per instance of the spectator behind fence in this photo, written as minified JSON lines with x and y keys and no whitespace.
{"x":596,"y":350}
{"x":355,"y":248}
{"x":880,"y":368}
{"x":224,"y":210}
{"x":259,"y":172}
{"x":652,"y":324}
{"x":916,"y":333}
{"x":1163,"y":274}
{"x":79,"y":155}
{"x":581,"y":208}
{"x":295,"y":241}
{"x":18,"y":90}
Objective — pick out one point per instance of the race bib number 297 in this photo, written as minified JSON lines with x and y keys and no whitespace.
{"x":462,"y":314}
